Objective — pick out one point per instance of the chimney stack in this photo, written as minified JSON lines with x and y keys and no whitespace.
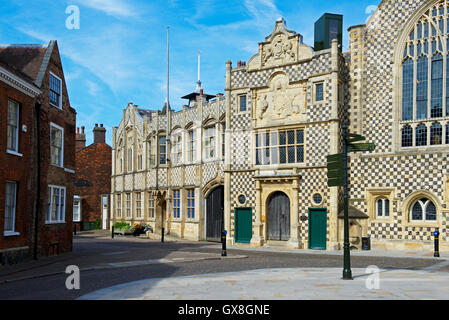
{"x":80,"y":139}
{"x":99,"y":134}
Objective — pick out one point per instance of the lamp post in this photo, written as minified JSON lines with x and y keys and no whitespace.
{"x":347,"y":273}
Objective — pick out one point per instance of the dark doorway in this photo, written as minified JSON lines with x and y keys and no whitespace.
{"x":279,"y":217}
{"x":214,"y":214}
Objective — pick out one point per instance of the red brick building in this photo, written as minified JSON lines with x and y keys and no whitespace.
{"x":37,"y":147}
{"x":93,"y":180}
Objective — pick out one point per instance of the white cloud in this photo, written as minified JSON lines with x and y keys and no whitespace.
{"x":115,"y":8}
{"x":92,"y":88}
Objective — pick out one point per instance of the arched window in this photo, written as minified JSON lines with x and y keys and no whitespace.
{"x":407,"y":136}
{"x":424,"y":97}
{"x":421,"y":135}
{"x":423,"y":210}
{"x":382,"y":208}
{"x":447,"y":133}
{"x":436,"y":134}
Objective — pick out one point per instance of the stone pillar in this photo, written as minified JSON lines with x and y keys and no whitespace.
{"x":294,"y":241}
{"x":227,"y":161}
{"x":258,"y":238}
{"x":334,"y":128}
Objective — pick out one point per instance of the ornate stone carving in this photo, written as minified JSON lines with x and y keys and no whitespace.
{"x":280,"y":101}
{"x":282,"y":46}
{"x":280,"y":51}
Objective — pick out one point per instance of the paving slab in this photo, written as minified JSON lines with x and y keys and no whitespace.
{"x":286,"y":284}
{"x":357,"y":253}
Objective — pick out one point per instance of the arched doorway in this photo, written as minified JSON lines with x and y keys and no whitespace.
{"x":278,"y":218}
{"x":215,"y":214}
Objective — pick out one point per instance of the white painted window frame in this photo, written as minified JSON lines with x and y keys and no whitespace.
{"x":77,"y":199}
{"x":61,"y":217}
{"x":54,"y":125}
{"x":12,"y":232}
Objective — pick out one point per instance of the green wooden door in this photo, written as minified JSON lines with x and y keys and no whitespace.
{"x":317,"y":229}
{"x":243,"y":225}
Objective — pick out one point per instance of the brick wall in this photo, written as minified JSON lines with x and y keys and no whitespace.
{"x":20,"y":169}
{"x":60,"y":233}
{"x":93,"y":178}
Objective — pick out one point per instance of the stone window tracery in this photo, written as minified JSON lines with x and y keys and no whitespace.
{"x":425,"y":80}
{"x":423,"y":210}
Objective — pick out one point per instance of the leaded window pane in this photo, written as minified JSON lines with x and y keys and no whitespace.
{"x":407,"y":136}
{"x":417,"y":211}
{"x":437,"y":87}
{"x":436,"y":134}
{"x":299,"y":136}
{"x":291,"y":154}
{"x":421,"y":135}
{"x":379,"y":208}
{"x":282,"y":155}
{"x":431,"y":212}
{"x":319,"y":92}
{"x":258,"y":156}
{"x":291,"y":137}
{"x":447,"y":133}
{"x":300,"y":154}
{"x":274,"y":156}
{"x":282,"y":138}
{"x":421,"y":88}
{"x":407,"y":90}
{"x":387,"y":208}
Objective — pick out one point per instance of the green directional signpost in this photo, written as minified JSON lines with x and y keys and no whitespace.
{"x":337,"y":174}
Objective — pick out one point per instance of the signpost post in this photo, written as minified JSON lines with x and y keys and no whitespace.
{"x":337,"y":173}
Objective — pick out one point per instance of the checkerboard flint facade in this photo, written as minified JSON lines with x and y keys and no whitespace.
{"x":362,"y":87}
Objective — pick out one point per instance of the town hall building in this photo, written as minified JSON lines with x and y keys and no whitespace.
{"x":253,"y":161}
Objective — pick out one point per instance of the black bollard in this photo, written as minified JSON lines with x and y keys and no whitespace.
{"x":223,"y":244}
{"x":437,"y":243}
{"x":162,"y":235}
{"x":74,"y":229}
{"x":112,"y":232}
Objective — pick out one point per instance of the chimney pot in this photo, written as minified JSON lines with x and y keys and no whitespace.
{"x":82,"y":129}
{"x":101,"y":125}
{"x":78,"y":130}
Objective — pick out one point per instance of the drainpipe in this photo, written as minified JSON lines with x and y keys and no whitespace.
{"x":38,"y":200}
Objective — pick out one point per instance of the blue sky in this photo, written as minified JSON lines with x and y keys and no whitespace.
{"x":119,"y":53}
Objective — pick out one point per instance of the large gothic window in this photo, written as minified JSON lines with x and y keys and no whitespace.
{"x":425,"y":80}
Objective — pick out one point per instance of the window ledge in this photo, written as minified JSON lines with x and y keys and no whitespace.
{"x":53,"y":105}
{"x":11,"y":233}
{"x":380,"y":219}
{"x":54,"y":222}
{"x":69,"y":170}
{"x":422,"y":224}
{"x":14,"y":153}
